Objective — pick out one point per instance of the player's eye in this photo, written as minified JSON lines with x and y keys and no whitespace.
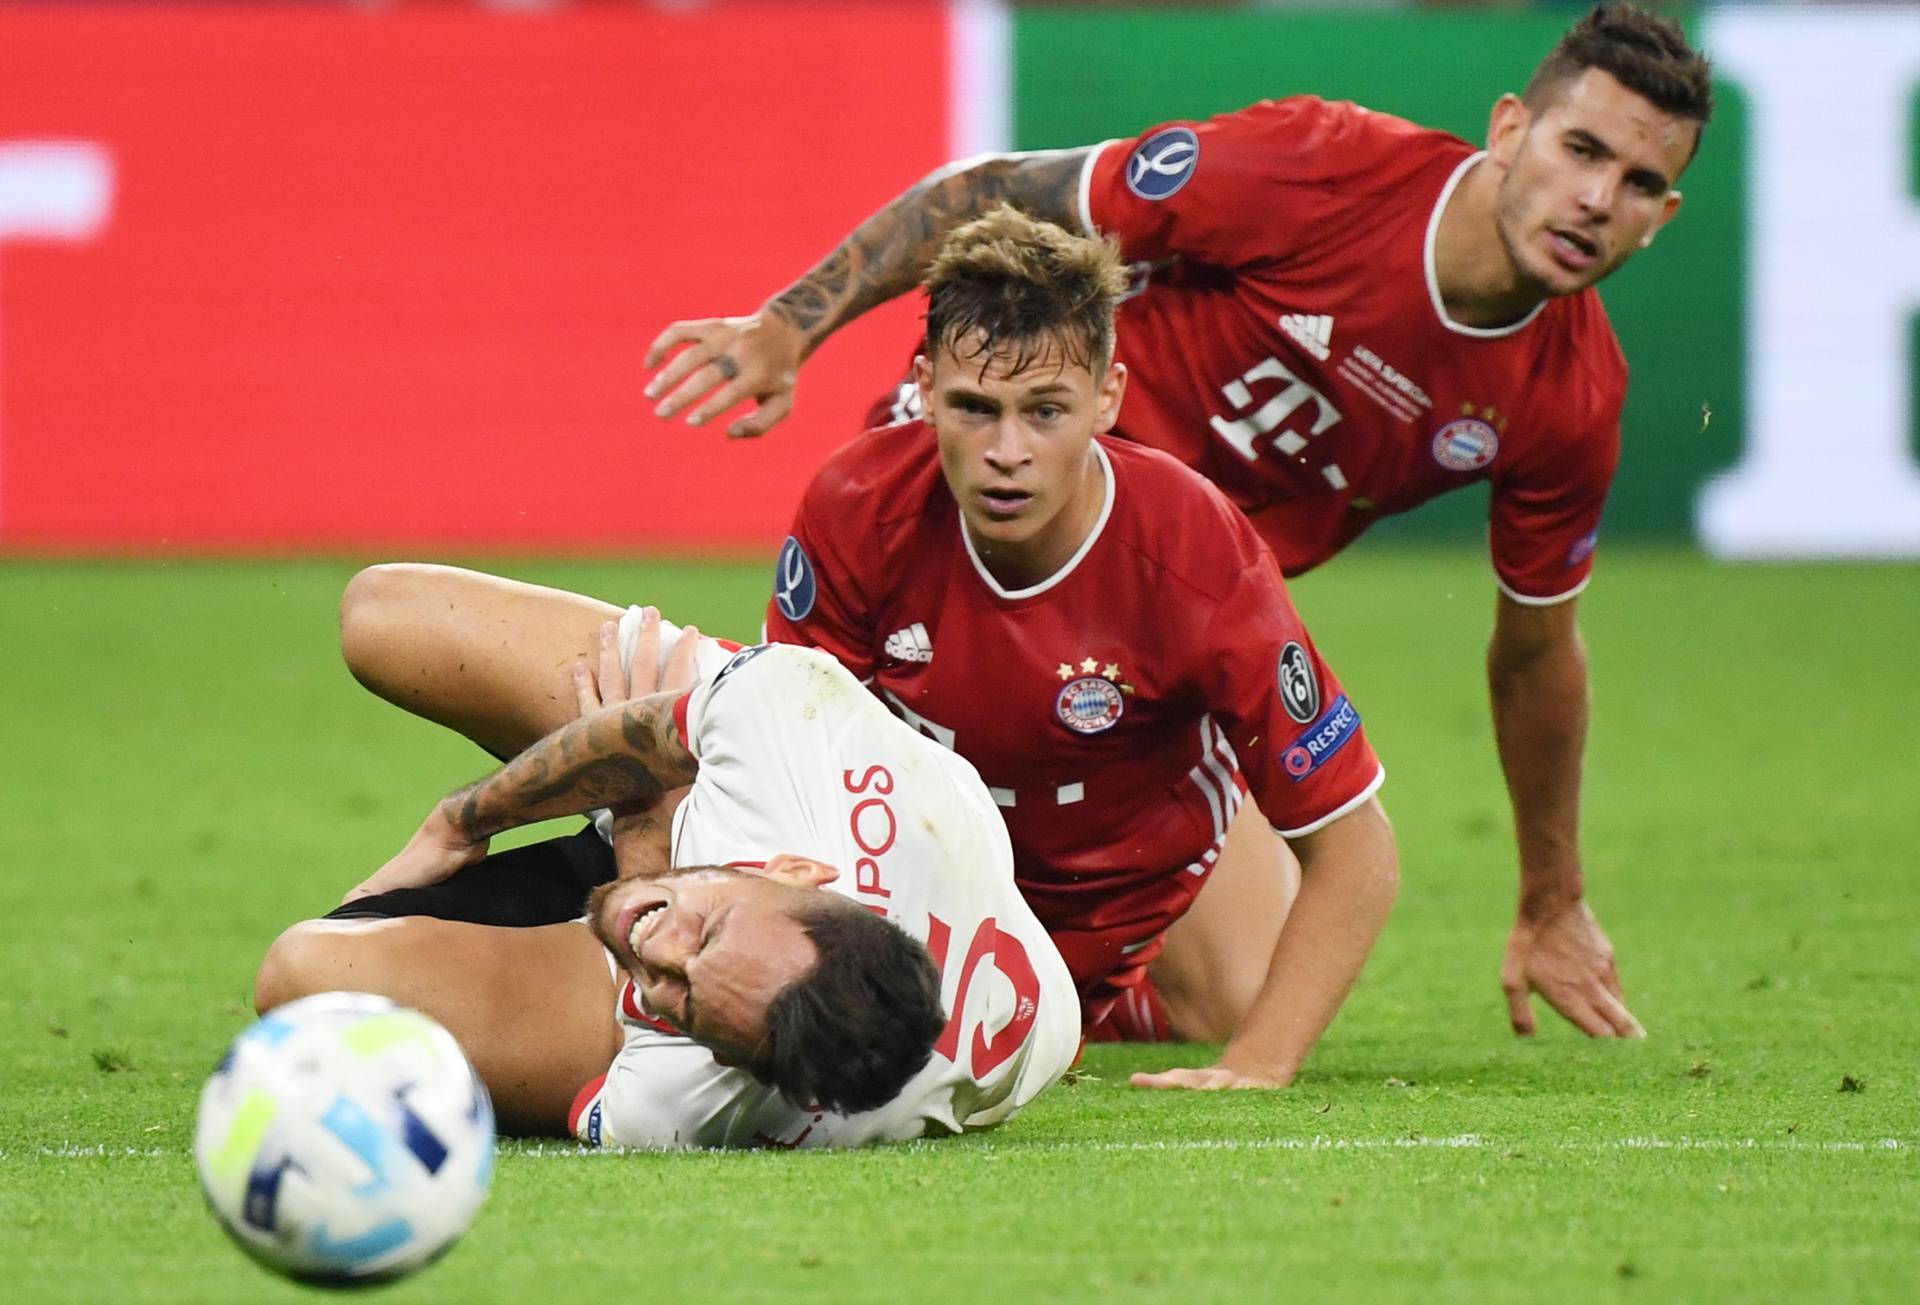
{"x":1049,"y":412}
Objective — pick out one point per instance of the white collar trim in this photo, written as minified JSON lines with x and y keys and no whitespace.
{"x":1433,"y":279}
{"x":1086,"y":545}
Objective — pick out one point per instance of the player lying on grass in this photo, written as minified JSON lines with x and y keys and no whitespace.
{"x":1086,"y":621}
{"x":1343,"y":315}
{"x":814,"y":937}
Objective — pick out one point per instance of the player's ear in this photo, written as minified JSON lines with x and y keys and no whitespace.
{"x":1113,"y":389}
{"x":1507,"y":127}
{"x":923,"y":378}
{"x":799,"y":871}
{"x":1667,"y":210}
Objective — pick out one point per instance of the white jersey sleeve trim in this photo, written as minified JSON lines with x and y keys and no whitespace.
{"x":1086,"y":187}
{"x":1086,"y":545}
{"x":1433,"y":277}
{"x":1379,"y":778}
{"x":1527,"y":600}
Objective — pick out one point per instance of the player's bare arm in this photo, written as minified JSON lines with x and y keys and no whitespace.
{"x":627,"y":754}
{"x":1537,"y":678}
{"x":1349,"y":876}
{"x":721,"y":361}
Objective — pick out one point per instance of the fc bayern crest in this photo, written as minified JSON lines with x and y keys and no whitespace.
{"x":1089,"y":704}
{"x":1465,"y":445}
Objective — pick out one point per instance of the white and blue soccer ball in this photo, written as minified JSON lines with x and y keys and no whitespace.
{"x":345,"y":1139}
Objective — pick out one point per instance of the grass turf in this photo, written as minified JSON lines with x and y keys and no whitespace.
{"x":184,"y":768}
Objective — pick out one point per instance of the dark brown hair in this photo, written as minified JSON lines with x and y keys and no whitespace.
{"x":1645,"y":52}
{"x":1024,"y":287}
{"x":850,"y":1035}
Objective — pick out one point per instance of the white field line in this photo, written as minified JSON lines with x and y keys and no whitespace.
{"x":1458,"y":1142}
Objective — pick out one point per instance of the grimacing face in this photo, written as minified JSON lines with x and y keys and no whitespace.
{"x":1015,"y":445}
{"x":711,"y":947}
{"x":1588,"y":179}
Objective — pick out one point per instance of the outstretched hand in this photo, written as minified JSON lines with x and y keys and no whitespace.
{"x":1213,"y":1078}
{"x":436,"y":851}
{"x":1563,"y":954}
{"x":723,"y":361}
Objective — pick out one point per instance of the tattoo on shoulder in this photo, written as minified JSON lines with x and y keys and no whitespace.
{"x":887,"y":254}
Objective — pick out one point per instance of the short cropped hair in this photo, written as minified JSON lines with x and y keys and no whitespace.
{"x":852,"y":1033}
{"x":1024,"y":286}
{"x":1645,"y":52}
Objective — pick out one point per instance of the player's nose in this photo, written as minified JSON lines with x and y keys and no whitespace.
{"x":1008,"y":448}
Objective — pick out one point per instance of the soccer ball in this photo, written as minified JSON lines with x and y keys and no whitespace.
{"x":344,"y":1139}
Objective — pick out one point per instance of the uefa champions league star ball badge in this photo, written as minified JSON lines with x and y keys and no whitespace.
{"x":1093,"y":697}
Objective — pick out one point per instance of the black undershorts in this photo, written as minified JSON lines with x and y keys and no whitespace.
{"x":541,"y":883}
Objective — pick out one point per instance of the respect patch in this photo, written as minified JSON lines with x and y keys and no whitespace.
{"x":1322,"y":739}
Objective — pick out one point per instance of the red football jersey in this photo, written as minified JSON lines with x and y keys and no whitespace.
{"x":1290,"y":343}
{"x":1112,"y":709}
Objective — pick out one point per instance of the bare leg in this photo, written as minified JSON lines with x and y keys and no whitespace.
{"x":532,"y":1008}
{"x":489,"y":657}
{"x":1218,"y":952}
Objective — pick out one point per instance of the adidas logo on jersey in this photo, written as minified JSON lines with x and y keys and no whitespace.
{"x":1310,"y":332}
{"x":910,"y":644}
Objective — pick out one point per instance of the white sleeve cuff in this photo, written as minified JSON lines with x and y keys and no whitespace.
{"x":1086,"y":187}
{"x":1373,"y":786}
{"x":1527,"y":600}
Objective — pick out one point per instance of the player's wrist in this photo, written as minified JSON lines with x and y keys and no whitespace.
{"x":1248,"y":1062}
{"x":1544,"y":895}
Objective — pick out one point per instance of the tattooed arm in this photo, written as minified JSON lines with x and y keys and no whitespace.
{"x":626,"y":754}
{"x":884,"y":258}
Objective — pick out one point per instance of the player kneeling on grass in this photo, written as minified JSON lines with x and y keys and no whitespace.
{"x":828,"y":949}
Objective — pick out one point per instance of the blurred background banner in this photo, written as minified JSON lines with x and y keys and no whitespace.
{"x":284,"y":278}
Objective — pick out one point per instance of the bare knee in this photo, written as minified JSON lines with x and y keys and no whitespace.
{"x":302,"y":961}
{"x":378,"y":604}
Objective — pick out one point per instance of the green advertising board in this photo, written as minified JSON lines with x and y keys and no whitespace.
{"x":1682,"y":309}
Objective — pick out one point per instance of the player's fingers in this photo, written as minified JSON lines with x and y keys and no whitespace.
{"x":689,"y":360}
{"x":1580,"y":1013}
{"x":676,"y":334}
{"x":734,"y":391}
{"x":1620,"y":1020}
{"x":585,"y":693}
{"x":1519,"y":1008}
{"x":678,"y":672}
{"x":641,"y":672}
{"x":762,"y":419}
{"x":1176,"y":1078}
{"x":703,"y":379}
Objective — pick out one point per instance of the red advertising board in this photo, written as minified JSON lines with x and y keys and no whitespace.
{"x":289,"y":277}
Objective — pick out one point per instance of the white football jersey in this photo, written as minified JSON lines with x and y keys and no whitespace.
{"x":796,"y":756}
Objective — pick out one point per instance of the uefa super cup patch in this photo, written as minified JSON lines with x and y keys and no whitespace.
{"x":1467,"y":444}
{"x":1162,"y":163}
{"x":1323,"y":738}
{"x":794,"y":587}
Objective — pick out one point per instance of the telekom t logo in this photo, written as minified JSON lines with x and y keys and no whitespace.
{"x":53,"y":190}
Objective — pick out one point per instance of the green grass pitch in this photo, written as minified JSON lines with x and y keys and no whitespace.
{"x":184,"y":768}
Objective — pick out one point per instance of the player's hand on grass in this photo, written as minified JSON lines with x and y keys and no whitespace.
{"x":1562,"y":953}
{"x":723,"y":361}
{"x":1213,"y":1078}
{"x":436,"y":850}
